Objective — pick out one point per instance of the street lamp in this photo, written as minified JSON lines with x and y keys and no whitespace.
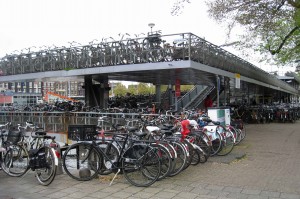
{"x":151,"y":25}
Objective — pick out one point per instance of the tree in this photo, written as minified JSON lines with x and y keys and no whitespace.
{"x":272,"y":27}
{"x":120,"y":89}
{"x":178,"y":6}
{"x":132,"y":89}
{"x":186,"y":87}
{"x":143,"y":88}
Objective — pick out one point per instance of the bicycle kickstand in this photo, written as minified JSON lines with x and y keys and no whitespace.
{"x":114,"y":177}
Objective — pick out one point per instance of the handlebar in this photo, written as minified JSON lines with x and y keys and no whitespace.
{"x":46,"y":137}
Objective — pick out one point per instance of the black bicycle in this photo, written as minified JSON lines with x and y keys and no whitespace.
{"x":17,"y":160}
{"x":138,"y":161}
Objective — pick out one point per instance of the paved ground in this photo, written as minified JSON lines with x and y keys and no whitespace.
{"x":266,"y":165}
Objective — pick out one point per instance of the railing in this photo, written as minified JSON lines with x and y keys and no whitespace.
{"x":58,"y":122}
{"x":200,"y":98}
{"x":190,"y":96}
{"x":153,"y":48}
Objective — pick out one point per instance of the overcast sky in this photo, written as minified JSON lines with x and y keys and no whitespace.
{"x":28,"y":23}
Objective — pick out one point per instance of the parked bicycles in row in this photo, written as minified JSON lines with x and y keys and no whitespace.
{"x":147,"y":149}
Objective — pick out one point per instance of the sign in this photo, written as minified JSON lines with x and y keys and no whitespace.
{"x":177,"y":88}
{"x":237,"y":80}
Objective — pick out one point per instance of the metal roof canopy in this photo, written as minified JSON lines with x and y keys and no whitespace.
{"x":159,"y":73}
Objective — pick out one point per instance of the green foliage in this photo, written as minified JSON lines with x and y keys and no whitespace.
{"x":186,"y":87}
{"x":119,"y":89}
{"x":271,"y":27}
{"x":135,"y":89}
{"x":142,"y":89}
{"x":297,"y":17}
{"x":68,"y":68}
{"x":132,"y":89}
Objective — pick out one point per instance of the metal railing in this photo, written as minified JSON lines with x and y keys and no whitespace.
{"x":153,"y":48}
{"x":190,"y":96}
{"x":58,"y":122}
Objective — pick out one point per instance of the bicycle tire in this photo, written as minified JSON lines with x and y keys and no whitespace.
{"x":227,"y":143}
{"x":180,"y":159}
{"x":15,"y":161}
{"x":196,"y":157}
{"x":166,"y":160}
{"x":215,"y":139}
{"x":202,"y":140}
{"x":46,"y":175}
{"x":82,"y":161}
{"x":237,"y":135}
{"x":190,"y":151}
{"x":173,"y":154}
{"x":205,"y":143}
{"x":243,"y":133}
{"x":113,"y":153}
{"x":141,"y":165}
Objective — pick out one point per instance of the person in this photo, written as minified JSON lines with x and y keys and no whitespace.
{"x":208,"y":102}
{"x":186,"y":127}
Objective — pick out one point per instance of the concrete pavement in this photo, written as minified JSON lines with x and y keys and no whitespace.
{"x":265,"y":165}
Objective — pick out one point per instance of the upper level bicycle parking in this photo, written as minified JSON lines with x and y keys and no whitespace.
{"x":154,"y":48}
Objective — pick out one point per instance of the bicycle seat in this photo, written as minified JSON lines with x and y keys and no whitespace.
{"x":132,"y":128}
{"x":4,"y":131}
{"x":216,"y":122}
{"x":40,"y":133}
{"x":139,"y":133}
{"x":167,"y":126}
{"x":167,"y":132}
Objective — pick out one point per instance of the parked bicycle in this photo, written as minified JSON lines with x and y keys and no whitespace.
{"x":138,"y":161}
{"x":17,"y":160}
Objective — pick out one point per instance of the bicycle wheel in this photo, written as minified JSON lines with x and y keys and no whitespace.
{"x":15,"y":161}
{"x":173,"y":155}
{"x":204,"y":142}
{"x":236,"y":133}
{"x":180,"y":159}
{"x":82,"y":161}
{"x":46,"y":174}
{"x":200,"y":139}
{"x":112,"y":153}
{"x":215,"y":139}
{"x":196,"y":157}
{"x":141,"y":165}
{"x":189,"y":151}
{"x":227,"y":143}
{"x":243,"y":133}
{"x":166,"y":160}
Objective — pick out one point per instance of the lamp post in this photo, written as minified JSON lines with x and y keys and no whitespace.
{"x":151,"y":25}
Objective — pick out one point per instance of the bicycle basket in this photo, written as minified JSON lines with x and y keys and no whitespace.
{"x":14,"y":137}
{"x":82,"y":132}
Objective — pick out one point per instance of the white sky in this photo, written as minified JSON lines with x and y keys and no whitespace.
{"x":27,"y":23}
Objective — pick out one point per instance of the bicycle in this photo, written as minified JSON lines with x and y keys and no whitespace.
{"x":3,"y":136}
{"x":17,"y":161}
{"x":138,"y":161}
{"x":221,"y":137}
